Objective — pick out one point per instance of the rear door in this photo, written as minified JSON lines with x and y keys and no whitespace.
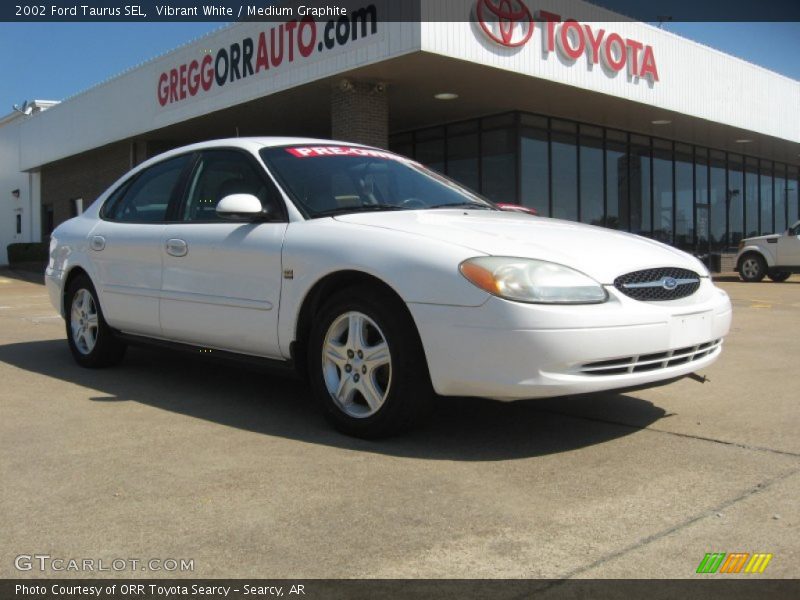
{"x":222,"y":280}
{"x":125,"y":246}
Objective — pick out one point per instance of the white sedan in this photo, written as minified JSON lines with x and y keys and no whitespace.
{"x":378,"y":279}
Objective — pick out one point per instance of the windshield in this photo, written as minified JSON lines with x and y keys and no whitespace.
{"x":330,"y":180}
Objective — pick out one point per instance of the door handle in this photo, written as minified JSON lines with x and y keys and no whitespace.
{"x":98,"y":242}
{"x":176,"y":247}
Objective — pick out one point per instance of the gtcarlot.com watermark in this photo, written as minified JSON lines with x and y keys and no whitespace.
{"x":46,"y":563}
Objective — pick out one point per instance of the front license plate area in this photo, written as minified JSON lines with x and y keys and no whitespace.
{"x":689,"y":330}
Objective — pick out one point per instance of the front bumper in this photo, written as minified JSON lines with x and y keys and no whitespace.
{"x":509,"y":350}
{"x":53,"y":282}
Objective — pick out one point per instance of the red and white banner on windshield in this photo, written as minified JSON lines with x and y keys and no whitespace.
{"x":314,"y":151}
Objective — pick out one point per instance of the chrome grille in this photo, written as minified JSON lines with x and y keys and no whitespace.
{"x":650,"y":362}
{"x":656,"y":285}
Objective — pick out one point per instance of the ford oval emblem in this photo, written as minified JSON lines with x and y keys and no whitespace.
{"x":669,"y":283}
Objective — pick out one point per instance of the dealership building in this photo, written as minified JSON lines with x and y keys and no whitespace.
{"x":564,"y":107}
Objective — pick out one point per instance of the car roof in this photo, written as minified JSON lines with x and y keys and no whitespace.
{"x":248,"y":143}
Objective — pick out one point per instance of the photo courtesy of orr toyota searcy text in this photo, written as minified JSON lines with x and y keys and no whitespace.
{"x":276,"y":45}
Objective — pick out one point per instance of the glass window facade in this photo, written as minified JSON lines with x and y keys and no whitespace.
{"x":663,"y":191}
{"x":792,"y":187}
{"x":765,"y":195}
{"x":591,"y":168}
{"x":699,"y":199}
{"x":735,"y":199}
{"x":684,"y":197}
{"x":616,"y":183}
{"x":564,"y":177}
{"x":752,"y":212}
{"x":780,"y":198}
{"x":717,"y":200}
{"x":535,"y":170}
{"x":498,"y":165}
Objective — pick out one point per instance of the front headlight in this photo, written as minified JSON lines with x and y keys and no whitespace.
{"x":528,"y":280}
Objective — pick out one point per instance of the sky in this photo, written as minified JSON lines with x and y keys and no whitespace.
{"x":52,"y":61}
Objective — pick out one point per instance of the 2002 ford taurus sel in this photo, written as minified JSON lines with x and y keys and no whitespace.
{"x":379,"y":279}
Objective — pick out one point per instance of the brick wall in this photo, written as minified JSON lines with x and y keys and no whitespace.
{"x":728,"y":262}
{"x":84,"y":176}
{"x":360,"y":113}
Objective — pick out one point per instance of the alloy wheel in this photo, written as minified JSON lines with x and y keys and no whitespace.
{"x":356,"y":364}
{"x":750,"y":268}
{"x":83,"y":321}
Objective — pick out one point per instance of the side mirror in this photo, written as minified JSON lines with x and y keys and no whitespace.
{"x":241,"y":207}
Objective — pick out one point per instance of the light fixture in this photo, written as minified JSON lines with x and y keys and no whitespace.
{"x":26,"y":108}
{"x":661,"y":122}
{"x":445,"y":96}
{"x":743,"y":141}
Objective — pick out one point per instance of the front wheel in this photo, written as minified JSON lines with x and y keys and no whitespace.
{"x":366,"y":363}
{"x":753,"y":268}
{"x":91,"y":340}
{"x":779,"y":276}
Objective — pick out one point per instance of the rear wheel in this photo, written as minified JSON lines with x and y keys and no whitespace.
{"x":779,"y":276}
{"x":91,"y":340}
{"x":366,"y":363}
{"x":753,"y":268}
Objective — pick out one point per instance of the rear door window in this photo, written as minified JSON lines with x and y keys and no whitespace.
{"x":147,"y":198}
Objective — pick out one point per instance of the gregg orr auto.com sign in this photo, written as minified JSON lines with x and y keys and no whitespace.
{"x":276,"y":46}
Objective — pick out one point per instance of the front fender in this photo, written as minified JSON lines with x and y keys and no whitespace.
{"x":417,"y":268}
{"x":768,"y":255}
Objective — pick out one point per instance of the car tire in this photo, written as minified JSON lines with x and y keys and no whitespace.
{"x":91,"y":340}
{"x":752,"y":267}
{"x":366,"y":363}
{"x":779,"y":276}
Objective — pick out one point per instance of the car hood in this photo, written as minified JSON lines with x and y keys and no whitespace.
{"x":761,"y":238}
{"x":601,"y":253}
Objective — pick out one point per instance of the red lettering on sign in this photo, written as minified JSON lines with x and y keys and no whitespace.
{"x":194,"y":77}
{"x":649,"y":64}
{"x":207,"y":72}
{"x":615,"y":62}
{"x":307,"y":30}
{"x":594,"y":42}
{"x":163,"y":89}
{"x":182,"y":82}
{"x":572,"y":51}
{"x":290,"y":27}
{"x":551,"y":19}
{"x":262,"y":60}
{"x":276,"y":49}
{"x":173,"y":85}
{"x":634,"y":46}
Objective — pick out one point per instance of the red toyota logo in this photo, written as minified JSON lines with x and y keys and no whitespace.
{"x":507,"y":22}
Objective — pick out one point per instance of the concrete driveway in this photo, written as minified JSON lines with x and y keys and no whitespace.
{"x":173,"y":457}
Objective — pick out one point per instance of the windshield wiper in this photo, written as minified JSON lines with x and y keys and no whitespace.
{"x":340,"y":210}
{"x":474,"y":205}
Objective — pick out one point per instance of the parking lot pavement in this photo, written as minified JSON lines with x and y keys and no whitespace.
{"x":169,"y":456}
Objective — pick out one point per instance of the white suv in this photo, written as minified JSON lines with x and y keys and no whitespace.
{"x":776,"y":256}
